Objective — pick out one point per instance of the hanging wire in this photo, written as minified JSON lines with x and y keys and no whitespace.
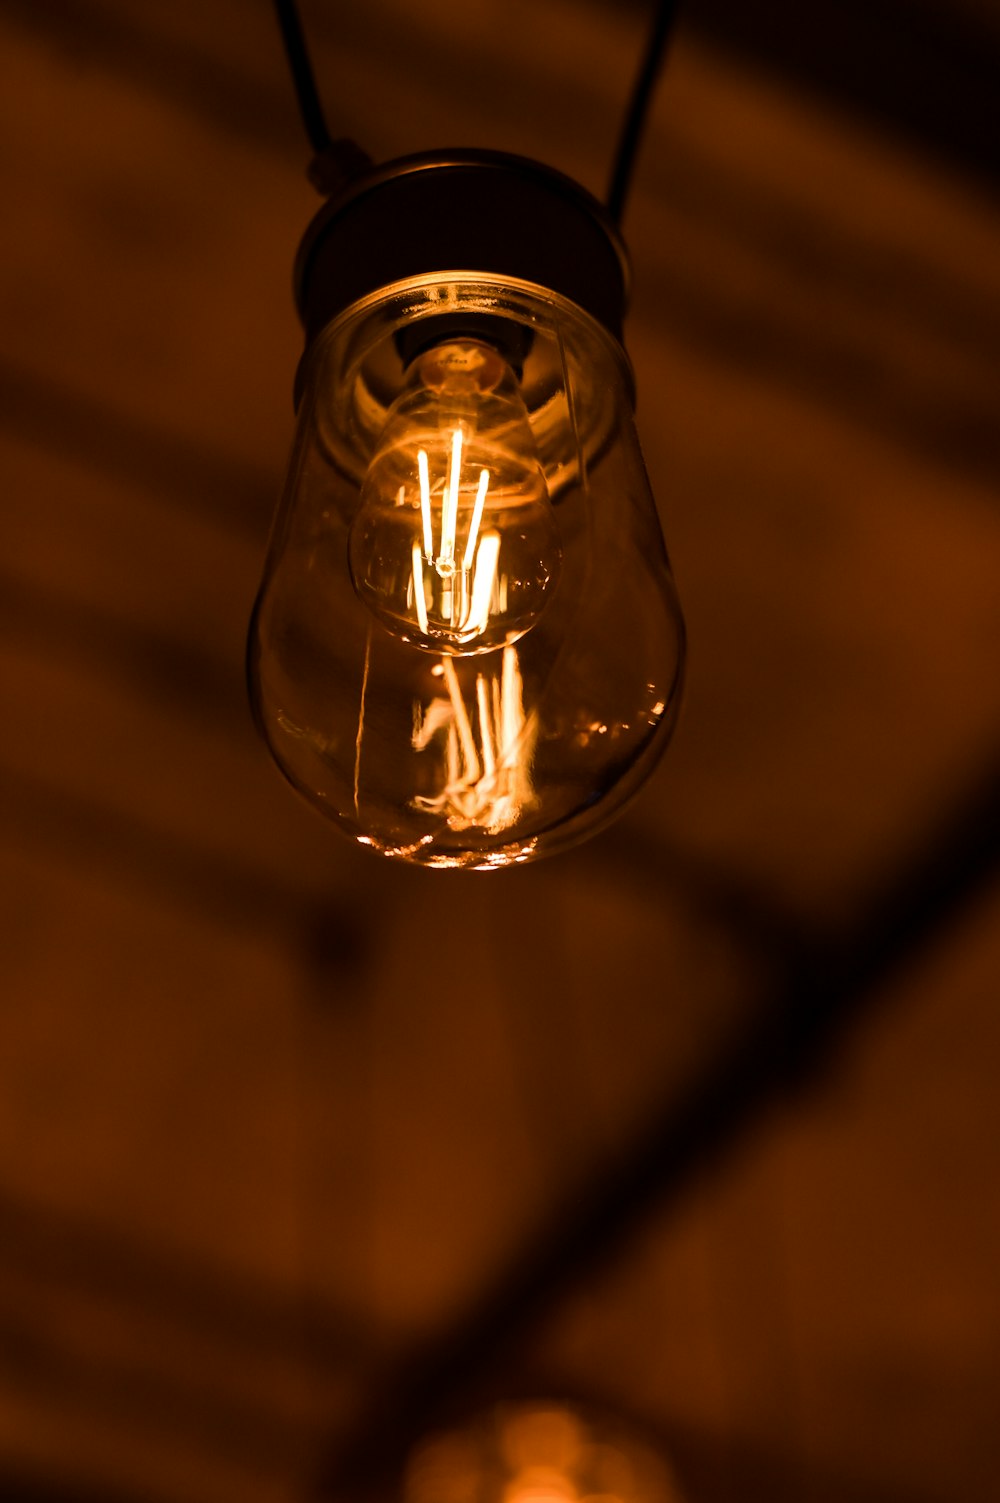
{"x":337,"y":161}
{"x":635,"y":119}
{"x":334,"y":162}
{"x":302,"y":76}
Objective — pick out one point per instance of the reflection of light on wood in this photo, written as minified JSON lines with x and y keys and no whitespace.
{"x":488,"y":746}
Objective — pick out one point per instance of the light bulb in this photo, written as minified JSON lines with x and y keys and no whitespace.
{"x":540,"y":1451}
{"x":455,"y":547}
{"x":466,"y":650}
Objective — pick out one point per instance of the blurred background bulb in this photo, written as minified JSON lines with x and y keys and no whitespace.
{"x":540,"y":1451}
{"x":454,"y":546}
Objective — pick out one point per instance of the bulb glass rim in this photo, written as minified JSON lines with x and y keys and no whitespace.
{"x":372,"y":301}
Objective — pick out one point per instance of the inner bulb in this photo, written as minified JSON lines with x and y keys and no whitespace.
{"x":454,"y":546}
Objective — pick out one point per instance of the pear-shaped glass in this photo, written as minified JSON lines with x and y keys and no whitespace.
{"x":467,"y":648}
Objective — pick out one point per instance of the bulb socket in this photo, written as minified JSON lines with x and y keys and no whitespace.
{"x":509,"y":338}
{"x":481,"y":212}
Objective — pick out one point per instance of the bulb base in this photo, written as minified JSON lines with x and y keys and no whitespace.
{"x":483,"y":212}
{"x":511,"y":340}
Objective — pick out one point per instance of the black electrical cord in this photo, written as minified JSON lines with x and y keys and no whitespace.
{"x":303,"y":77}
{"x":335,"y":163}
{"x":337,"y":160}
{"x":638,"y":108}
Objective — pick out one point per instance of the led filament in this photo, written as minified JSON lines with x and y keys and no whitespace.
{"x":454,"y":546}
{"x":467,"y":589}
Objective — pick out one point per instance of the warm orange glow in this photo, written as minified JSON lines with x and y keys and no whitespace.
{"x":540,"y":1485}
{"x":455,"y":545}
{"x":488,"y":746}
{"x":470,"y":587}
{"x":539,"y":1453}
{"x":546,"y":1438}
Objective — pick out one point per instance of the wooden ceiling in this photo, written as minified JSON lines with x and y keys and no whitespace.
{"x":699,"y":1123}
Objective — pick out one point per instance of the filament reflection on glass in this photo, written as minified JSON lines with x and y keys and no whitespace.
{"x":488,"y":746}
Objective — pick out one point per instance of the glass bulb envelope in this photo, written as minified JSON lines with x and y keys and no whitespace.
{"x":467,"y":649}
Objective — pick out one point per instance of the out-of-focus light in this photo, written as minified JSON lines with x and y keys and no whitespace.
{"x":539,"y":1452}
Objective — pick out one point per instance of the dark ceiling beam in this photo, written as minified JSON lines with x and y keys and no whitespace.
{"x":925,"y":73}
{"x":193,"y":1414}
{"x":115,"y":1269}
{"x":77,"y":427}
{"x":866,"y":374}
{"x":191,"y":679}
{"x":772,"y":1054}
{"x":88,"y":837}
{"x":21,"y":1486}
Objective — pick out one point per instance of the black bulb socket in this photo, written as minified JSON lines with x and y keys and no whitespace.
{"x":483,"y":213}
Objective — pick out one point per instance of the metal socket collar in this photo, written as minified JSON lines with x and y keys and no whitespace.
{"x":473,"y":211}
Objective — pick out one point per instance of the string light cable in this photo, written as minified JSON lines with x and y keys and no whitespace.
{"x":337,"y":162}
{"x":637,"y":113}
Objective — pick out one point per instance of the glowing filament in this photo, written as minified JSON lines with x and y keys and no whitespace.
{"x":464,"y":604}
{"x":477,"y":517}
{"x":449,"y":512}
{"x":482,"y":582}
{"x":425,"y":503}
